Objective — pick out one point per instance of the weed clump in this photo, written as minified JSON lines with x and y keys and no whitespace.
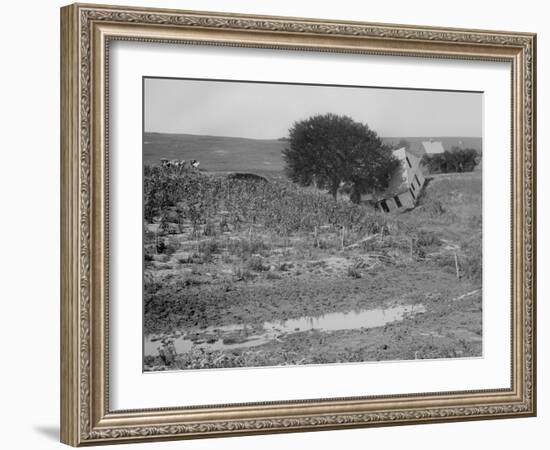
{"x":256,"y":264}
{"x":242,"y":274}
{"x":208,"y":248}
{"x":354,"y":272}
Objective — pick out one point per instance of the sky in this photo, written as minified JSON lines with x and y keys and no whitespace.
{"x":268,"y":110}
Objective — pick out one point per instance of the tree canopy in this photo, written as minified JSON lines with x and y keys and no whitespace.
{"x":329,"y":151}
{"x":456,"y":160}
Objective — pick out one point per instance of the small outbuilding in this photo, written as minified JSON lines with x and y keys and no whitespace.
{"x":431,"y":147}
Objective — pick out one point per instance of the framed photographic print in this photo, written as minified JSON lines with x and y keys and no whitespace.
{"x":274,"y":224}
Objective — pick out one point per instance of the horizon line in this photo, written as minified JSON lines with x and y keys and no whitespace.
{"x":286,"y":137}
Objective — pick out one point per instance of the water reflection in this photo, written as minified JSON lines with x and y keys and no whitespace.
{"x":239,"y":336}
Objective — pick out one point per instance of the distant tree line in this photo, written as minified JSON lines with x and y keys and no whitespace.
{"x":455,"y":160}
{"x":333,"y":152}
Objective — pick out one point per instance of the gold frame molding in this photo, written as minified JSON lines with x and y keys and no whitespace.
{"x":86,"y":31}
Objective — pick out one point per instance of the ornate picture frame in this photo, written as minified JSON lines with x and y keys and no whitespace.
{"x":86,"y":34}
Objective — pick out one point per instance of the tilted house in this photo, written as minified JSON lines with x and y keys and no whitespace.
{"x":405,"y":183}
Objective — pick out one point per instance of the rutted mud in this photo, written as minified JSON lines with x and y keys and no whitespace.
{"x":242,"y":336}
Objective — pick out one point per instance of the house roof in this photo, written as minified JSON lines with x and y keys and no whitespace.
{"x":432,"y":147}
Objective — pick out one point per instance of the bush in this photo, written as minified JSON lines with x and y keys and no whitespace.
{"x":456,"y":160}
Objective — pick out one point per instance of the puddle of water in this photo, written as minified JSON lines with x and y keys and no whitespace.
{"x":367,"y":318}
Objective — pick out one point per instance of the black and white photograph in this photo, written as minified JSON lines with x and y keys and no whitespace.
{"x":300,"y":224}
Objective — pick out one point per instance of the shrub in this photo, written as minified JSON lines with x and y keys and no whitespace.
{"x":456,"y":160}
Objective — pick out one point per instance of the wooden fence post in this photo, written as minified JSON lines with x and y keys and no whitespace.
{"x":315,"y":243}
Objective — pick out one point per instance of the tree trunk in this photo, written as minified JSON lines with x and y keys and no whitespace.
{"x":355,"y":195}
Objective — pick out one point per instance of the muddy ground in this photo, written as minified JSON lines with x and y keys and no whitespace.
{"x":209,"y":295}
{"x":449,"y":324}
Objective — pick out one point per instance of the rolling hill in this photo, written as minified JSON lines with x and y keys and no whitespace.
{"x":216,"y":153}
{"x":229,"y":154}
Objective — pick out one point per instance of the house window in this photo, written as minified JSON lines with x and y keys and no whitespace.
{"x":417,"y":181}
{"x":384,"y":206}
{"x":412,"y":193}
{"x":408,"y":162}
{"x":397,"y":201}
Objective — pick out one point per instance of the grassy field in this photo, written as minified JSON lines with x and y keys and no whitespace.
{"x":217,"y":153}
{"x":221,"y":153}
{"x":253,"y":273}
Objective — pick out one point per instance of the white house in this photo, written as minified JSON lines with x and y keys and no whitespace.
{"x":405,"y":184}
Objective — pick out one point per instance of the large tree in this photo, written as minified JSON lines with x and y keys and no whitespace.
{"x":330,"y":150}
